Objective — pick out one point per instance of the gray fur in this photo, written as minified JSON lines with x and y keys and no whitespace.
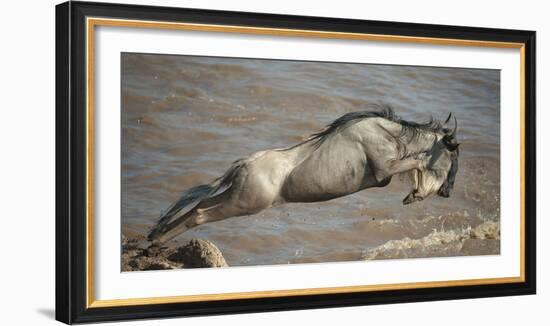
{"x":357,"y":151}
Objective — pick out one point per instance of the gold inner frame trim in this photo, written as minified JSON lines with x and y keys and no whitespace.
{"x":92,"y":22}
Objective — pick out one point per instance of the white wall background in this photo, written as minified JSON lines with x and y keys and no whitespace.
{"x":27,"y":162}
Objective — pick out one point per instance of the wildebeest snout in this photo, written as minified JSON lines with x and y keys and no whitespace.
{"x":444,"y":193}
{"x":445,"y":190}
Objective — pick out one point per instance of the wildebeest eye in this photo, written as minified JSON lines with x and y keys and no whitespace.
{"x":450,"y":143}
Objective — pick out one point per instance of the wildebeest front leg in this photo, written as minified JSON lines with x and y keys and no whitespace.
{"x":383,"y":170}
{"x":414,"y":195}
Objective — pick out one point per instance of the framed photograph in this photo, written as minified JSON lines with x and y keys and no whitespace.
{"x":214,"y":162}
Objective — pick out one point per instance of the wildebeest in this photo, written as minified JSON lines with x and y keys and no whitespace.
{"x":357,"y":151}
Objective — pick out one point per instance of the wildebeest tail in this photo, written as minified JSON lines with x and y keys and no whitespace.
{"x":193,"y":196}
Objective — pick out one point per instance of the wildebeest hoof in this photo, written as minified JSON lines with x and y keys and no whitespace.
{"x":411,"y":198}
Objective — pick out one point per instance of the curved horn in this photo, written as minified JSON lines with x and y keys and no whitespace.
{"x":456,"y":126}
{"x":448,"y":118}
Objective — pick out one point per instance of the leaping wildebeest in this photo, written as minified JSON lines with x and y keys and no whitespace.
{"x":357,"y":151}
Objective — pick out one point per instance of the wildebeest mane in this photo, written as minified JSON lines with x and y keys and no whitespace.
{"x":409,"y":131}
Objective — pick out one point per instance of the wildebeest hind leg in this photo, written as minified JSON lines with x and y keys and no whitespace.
{"x":212,"y":213}
{"x":209,"y":210}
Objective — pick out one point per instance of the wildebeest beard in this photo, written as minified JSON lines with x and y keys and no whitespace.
{"x":447,"y":186}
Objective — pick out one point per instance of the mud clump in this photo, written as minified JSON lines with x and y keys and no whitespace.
{"x":197,"y":253}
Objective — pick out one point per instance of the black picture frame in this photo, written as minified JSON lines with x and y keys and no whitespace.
{"x":71,"y":157}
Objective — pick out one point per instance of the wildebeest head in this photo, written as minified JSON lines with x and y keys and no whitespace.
{"x":451,"y":145}
{"x":439,"y":176}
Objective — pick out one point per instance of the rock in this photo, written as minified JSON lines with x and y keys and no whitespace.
{"x":198,"y":253}
{"x":158,"y":266}
{"x":486,"y":230}
{"x":134,"y":261}
{"x":136,"y":256}
{"x":128,"y":243}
